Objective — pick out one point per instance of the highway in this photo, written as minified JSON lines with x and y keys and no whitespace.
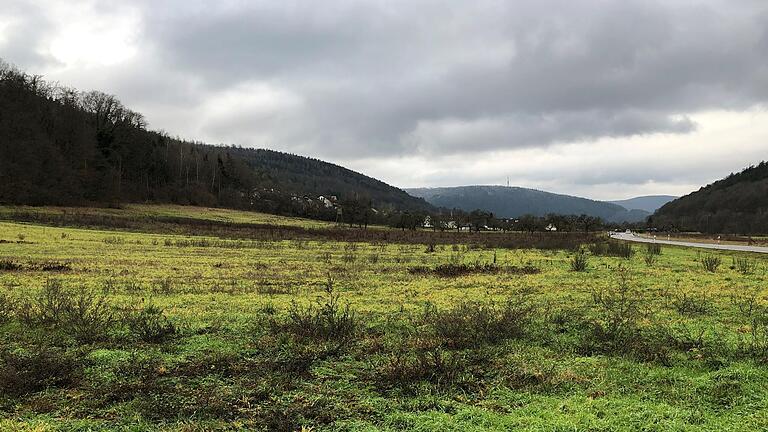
{"x":727,"y":247}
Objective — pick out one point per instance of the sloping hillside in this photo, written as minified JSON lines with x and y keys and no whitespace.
{"x":64,"y":147}
{"x":515,"y":201}
{"x":735,"y":204}
{"x":649,"y":203}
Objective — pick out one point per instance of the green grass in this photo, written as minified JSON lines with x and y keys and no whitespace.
{"x":238,"y":362}
{"x":170,"y":211}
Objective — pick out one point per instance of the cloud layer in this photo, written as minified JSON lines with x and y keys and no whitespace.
{"x":557,"y":94}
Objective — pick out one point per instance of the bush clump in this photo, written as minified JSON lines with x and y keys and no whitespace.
{"x":579,"y":261}
{"x":79,"y":312}
{"x":653,"y":248}
{"x":8,"y":265}
{"x":24,"y":371}
{"x":612,"y":248}
{"x":462,"y":269}
{"x":149,"y":324}
{"x":710,"y":263}
{"x":470,"y":324}
{"x":744,"y":265}
{"x":325,"y":320}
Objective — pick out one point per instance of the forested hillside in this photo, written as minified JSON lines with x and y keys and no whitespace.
{"x":736,"y":204}
{"x":63,"y":146}
{"x":516,"y":201}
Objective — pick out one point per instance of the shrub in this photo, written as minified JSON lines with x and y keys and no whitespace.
{"x":619,"y":307}
{"x":579,"y":261}
{"x":114,"y":240}
{"x":88,"y":315}
{"x":406,"y":368}
{"x":691,"y":304}
{"x":747,"y":302}
{"x":150,"y":324}
{"x":326,"y":257}
{"x":25,"y":371}
{"x":710,"y":263}
{"x":48,"y":307}
{"x":745,"y":265}
{"x":754,"y":341}
{"x":470,"y":324}
{"x":79,"y":312}
{"x":617,"y":329}
{"x":653,"y":248}
{"x":54,"y":266}
{"x":8,"y":265}
{"x":326,"y":320}
{"x":612,"y":248}
{"x":454,"y":270}
{"x":650,"y":259}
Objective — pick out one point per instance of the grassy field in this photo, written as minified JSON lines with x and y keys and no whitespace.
{"x":711,"y":238}
{"x":107,"y":329}
{"x":167,"y":211}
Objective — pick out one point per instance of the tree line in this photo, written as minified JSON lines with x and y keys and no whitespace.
{"x":61,"y":146}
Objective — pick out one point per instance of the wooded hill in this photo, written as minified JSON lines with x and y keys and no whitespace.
{"x":736,"y":204}
{"x":61,"y":146}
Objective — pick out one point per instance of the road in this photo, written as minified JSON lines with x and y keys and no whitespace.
{"x":728,"y":247}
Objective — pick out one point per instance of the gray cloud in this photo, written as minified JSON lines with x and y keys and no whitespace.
{"x":357,"y":80}
{"x":23,"y":41}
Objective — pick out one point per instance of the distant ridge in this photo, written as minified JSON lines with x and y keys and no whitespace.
{"x":649,"y":203}
{"x":505,"y":201}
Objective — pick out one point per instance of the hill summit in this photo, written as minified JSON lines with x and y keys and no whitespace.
{"x":505,"y":201}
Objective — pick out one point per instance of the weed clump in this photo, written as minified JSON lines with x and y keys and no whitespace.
{"x":470,"y":324}
{"x":744,"y":265}
{"x":50,"y":266}
{"x":456,"y":270}
{"x":691,"y":304}
{"x":114,"y":240}
{"x":710,"y":263}
{"x":579,"y":261}
{"x":405,"y":368}
{"x":326,"y":320}
{"x":612,"y":248}
{"x":8,"y":265}
{"x":24,"y":371}
{"x":79,"y":312}
{"x":653,"y":248}
{"x":618,"y":327}
{"x":149,"y":324}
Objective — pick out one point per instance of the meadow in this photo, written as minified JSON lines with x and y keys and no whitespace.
{"x":162,"y":325}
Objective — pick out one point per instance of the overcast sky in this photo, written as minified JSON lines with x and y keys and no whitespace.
{"x":598,"y":98}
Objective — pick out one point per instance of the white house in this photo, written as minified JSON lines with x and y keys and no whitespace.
{"x":326,"y":202}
